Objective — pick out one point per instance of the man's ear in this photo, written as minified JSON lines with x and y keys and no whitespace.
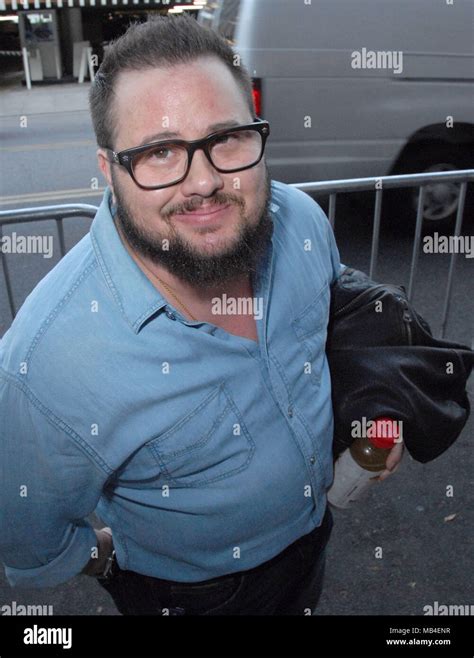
{"x":106,"y":168}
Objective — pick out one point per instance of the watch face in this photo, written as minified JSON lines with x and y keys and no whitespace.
{"x":110,"y":565}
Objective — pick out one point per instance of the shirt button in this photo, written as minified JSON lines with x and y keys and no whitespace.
{"x":312,"y":459}
{"x":290,"y":412}
{"x":170,"y":315}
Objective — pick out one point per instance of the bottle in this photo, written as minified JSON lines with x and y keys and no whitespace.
{"x":364,"y":460}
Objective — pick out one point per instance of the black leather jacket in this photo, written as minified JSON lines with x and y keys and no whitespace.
{"x":384,"y":361}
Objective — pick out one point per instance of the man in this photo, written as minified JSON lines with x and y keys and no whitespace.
{"x":170,"y":371}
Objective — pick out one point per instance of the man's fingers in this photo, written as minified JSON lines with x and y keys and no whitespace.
{"x":387,"y":472}
{"x":393,"y":461}
{"x":394,"y":456}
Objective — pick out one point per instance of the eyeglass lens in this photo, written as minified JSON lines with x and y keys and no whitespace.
{"x":167,"y":162}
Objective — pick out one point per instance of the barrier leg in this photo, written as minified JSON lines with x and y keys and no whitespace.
{"x":26,"y":67}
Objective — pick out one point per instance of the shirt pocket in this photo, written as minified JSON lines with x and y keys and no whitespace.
{"x":310,"y":327}
{"x":208,"y":444}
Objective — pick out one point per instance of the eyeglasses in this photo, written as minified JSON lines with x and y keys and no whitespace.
{"x":161,"y":164}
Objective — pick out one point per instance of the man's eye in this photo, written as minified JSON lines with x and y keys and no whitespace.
{"x":160,"y":153}
{"x":224,"y":139}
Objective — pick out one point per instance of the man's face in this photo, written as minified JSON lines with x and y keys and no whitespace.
{"x":188,"y":100}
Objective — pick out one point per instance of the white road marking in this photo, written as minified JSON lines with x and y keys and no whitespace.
{"x":77,"y":194}
{"x":51,"y":146}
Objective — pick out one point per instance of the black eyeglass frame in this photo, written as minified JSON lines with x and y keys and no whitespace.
{"x":125,"y":158}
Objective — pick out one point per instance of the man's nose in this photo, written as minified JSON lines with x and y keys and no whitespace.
{"x":202,"y":178}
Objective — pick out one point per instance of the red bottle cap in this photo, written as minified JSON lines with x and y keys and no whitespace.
{"x":387,"y":432}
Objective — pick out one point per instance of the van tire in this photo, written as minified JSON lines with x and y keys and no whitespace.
{"x":441,"y":201}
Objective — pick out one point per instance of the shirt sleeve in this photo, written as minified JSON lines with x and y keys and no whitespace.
{"x":337,"y":266}
{"x":48,"y":485}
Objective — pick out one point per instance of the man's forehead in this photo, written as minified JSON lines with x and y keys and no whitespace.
{"x":165,"y":82}
{"x":201,"y":95}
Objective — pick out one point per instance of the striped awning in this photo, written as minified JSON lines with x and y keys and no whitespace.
{"x":22,"y":5}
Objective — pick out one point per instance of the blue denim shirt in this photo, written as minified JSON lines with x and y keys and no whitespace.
{"x":205,"y":452}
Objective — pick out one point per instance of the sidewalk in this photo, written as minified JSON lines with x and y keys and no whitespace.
{"x":44,"y":99}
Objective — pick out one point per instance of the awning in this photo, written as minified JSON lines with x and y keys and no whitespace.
{"x":31,"y":5}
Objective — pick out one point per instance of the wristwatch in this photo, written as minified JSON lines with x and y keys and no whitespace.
{"x":109,"y":569}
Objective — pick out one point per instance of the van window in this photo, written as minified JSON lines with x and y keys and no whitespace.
{"x":221,"y":16}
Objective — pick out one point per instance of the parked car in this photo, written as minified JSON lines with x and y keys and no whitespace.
{"x":355,"y":89}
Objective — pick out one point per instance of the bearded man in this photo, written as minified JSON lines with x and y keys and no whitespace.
{"x":170,"y":372}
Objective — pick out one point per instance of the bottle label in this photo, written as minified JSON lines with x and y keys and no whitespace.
{"x":350,"y":481}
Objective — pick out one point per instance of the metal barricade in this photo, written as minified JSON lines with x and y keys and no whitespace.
{"x":331,"y":188}
{"x":378,"y":185}
{"x":26,"y":215}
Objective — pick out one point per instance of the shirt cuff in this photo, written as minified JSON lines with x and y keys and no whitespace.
{"x":66,"y":565}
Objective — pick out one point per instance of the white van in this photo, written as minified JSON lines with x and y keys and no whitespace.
{"x":356,"y":88}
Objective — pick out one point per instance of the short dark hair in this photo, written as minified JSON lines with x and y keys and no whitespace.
{"x":161,"y":41}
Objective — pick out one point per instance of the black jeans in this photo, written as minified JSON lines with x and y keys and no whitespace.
{"x":288,"y":584}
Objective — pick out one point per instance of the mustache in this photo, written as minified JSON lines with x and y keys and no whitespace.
{"x":219,"y":199}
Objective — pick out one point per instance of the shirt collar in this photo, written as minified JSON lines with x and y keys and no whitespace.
{"x":134,"y":293}
{"x":136,"y":296}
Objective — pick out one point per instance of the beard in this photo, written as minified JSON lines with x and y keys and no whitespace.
{"x":184,"y":260}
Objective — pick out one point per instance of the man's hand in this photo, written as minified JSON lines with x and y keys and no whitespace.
{"x":393,"y":461}
{"x":96,"y":565}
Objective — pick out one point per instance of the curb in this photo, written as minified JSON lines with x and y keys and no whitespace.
{"x":45,"y":100}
